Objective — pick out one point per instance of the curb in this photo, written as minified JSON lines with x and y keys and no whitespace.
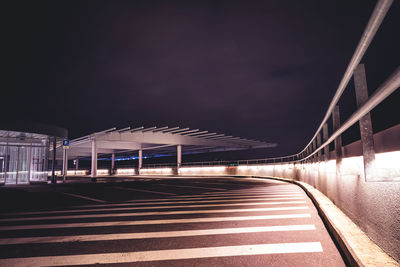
{"x":356,"y":246}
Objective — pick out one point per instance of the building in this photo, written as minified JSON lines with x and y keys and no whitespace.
{"x":25,"y":152}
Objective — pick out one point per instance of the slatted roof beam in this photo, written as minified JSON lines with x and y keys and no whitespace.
{"x":105,"y":131}
{"x":137,"y":129}
{"x":210,"y":137}
{"x":124,"y":129}
{"x":160,"y":129}
{"x":170,"y":129}
{"x":190,"y":131}
{"x":180,"y":130}
{"x":195,"y":134}
{"x":149,"y":129}
{"x":222,"y":137}
{"x":205,"y":135}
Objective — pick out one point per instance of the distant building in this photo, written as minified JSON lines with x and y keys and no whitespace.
{"x":25,"y":152}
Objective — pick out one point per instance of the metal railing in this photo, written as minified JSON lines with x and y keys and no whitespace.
{"x":315,"y":145}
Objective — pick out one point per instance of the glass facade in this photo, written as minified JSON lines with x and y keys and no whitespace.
{"x":23,"y":157}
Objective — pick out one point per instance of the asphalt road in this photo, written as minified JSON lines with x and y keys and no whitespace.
{"x":163,"y":222}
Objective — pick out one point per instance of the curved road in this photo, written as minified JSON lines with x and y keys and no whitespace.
{"x":163,"y":222}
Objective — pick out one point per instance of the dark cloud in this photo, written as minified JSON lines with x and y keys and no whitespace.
{"x":257,"y":69}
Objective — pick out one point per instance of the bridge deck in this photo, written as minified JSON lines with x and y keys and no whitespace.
{"x":164,"y":222}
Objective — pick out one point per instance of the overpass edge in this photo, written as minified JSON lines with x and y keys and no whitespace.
{"x":358,"y":249}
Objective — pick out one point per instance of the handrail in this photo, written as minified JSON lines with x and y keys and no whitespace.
{"x":379,"y":13}
{"x":387,"y":88}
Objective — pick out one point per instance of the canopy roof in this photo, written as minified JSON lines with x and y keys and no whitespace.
{"x":159,"y":140}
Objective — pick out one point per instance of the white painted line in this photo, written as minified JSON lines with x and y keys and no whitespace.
{"x":188,"y":198}
{"x":142,"y":190}
{"x":168,"y":254}
{"x":152,"y":222}
{"x":166,"y":234}
{"x":144,"y":205}
{"x":245,"y":193}
{"x":83,"y":197}
{"x":113,"y":215}
{"x":236,"y":196}
{"x":173,"y":206}
{"x":188,"y":186}
{"x":213,"y":183}
{"x":250,"y":194}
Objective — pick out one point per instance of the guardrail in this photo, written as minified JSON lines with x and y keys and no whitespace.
{"x":318,"y":147}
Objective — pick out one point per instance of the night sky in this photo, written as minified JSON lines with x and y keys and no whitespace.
{"x":263,"y":70}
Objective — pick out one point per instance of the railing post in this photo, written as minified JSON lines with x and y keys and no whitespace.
{"x":314,"y":147}
{"x":325,"y":137}
{"x":319,"y":157}
{"x":338,"y":140}
{"x":367,"y":137}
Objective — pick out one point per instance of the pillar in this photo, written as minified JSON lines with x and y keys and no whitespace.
{"x":314,"y":147}
{"x":65,"y":163}
{"x":319,"y":153}
{"x":325,"y":138}
{"x":140,"y":161}
{"x":94,"y":160}
{"x":338,"y":140}
{"x":367,"y":137}
{"x":112,"y":163}
{"x":179,"y":156}
{"x":53,"y":163}
{"x":76,"y":164}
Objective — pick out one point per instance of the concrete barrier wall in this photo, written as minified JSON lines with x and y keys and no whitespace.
{"x":373,"y":206}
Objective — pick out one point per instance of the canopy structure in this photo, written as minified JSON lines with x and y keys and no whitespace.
{"x":159,"y":140}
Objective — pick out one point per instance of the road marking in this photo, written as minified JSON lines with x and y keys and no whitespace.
{"x":83,"y":197}
{"x":213,"y":183}
{"x":168,"y":254}
{"x":142,"y":190}
{"x":251,"y":192}
{"x":166,"y":234}
{"x":152,"y":222}
{"x":149,"y":213}
{"x":143,"y":204}
{"x":188,"y":186}
{"x":236,"y":195}
{"x":173,"y":206}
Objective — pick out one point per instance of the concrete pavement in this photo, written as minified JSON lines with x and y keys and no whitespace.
{"x":164,"y":222}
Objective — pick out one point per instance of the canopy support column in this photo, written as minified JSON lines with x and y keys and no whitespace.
{"x":140,"y":161}
{"x":112,"y":163}
{"x":178,"y":158}
{"x":94,"y":161}
{"x":53,"y":163}
{"x":65,"y":164}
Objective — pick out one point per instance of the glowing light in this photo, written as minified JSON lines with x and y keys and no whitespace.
{"x":126,"y":172}
{"x":389,"y":160}
{"x":103,"y":172}
{"x":76,"y":172}
{"x":214,"y":170}
{"x":157,"y":171}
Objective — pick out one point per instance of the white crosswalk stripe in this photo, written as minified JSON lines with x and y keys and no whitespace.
{"x":221,"y":231}
{"x":157,"y":255}
{"x":151,"y":213}
{"x":143,"y":204}
{"x":224,"y":223}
